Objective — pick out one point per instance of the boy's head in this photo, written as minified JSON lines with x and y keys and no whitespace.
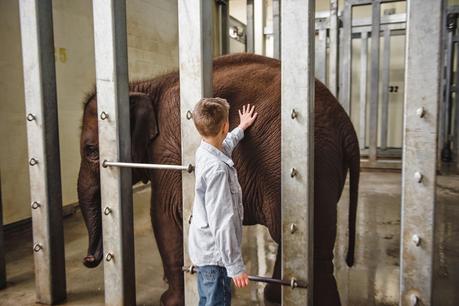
{"x":210,"y":116}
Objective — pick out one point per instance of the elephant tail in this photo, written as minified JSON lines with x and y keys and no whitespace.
{"x":353,"y":159}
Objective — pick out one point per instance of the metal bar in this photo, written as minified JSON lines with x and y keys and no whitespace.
{"x":392,"y":27}
{"x":276,"y":28}
{"x":363,"y":89}
{"x":250,"y":36}
{"x":297,"y":147}
{"x":107,"y":163}
{"x":346,"y":59}
{"x":321,"y":56}
{"x":333,"y":48}
{"x":422,"y":98}
{"x":195,"y":55}
{"x":223,"y":16}
{"x":385,"y":89}
{"x":293,"y":283}
{"x":44,"y":159}
{"x":381,"y":164}
{"x":366,"y":2}
{"x":451,"y":27}
{"x":110,"y":41}
{"x":2,"y":243}
{"x":388,"y":153}
{"x":385,"y":20}
{"x":374,"y":94}
{"x":259,"y":25}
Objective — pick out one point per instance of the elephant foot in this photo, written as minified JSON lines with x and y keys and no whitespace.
{"x":272,"y":293}
{"x":172,"y":298}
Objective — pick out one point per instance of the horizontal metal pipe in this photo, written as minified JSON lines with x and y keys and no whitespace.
{"x":255,"y":278}
{"x":107,"y":163}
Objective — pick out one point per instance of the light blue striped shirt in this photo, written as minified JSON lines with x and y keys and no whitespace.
{"x":216,"y":225}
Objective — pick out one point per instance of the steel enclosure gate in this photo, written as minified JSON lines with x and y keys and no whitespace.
{"x":297,"y":147}
{"x":44,"y":161}
{"x":382,"y":156}
{"x":422,"y":97}
{"x":195,"y":56}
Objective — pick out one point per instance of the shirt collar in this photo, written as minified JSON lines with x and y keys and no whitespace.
{"x":217,"y":153}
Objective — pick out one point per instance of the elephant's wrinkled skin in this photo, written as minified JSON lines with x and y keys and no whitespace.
{"x":155,"y":130}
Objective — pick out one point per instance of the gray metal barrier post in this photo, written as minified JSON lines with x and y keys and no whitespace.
{"x":422,"y":96}
{"x":110,"y":40}
{"x":333,"y":65}
{"x":250,"y":34}
{"x":195,"y":53}
{"x":44,"y":159}
{"x":297,"y":147}
{"x":363,"y":89}
{"x":2,"y":243}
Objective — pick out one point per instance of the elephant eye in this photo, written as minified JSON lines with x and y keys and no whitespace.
{"x":91,"y":152}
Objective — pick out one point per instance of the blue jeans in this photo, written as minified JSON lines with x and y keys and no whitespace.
{"x":214,"y":286}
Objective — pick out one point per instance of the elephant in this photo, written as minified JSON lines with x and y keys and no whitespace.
{"x":155,"y":138}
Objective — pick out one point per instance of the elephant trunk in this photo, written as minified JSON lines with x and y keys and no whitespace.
{"x":89,"y":199}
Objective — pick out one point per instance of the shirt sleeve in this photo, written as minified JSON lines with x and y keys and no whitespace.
{"x":232,"y":139}
{"x":223,"y":221}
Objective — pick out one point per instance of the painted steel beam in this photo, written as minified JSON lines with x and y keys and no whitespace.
{"x":223,"y":15}
{"x":333,"y":48}
{"x":297,"y":147}
{"x":374,"y":79}
{"x":385,"y":89}
{"x":250,"y":36}
{"x":195,"y":56}
{"x":259,"y":27}
{"x":276,"y":28}
{"x":363,"y":90}
{"x":44,"y":158}
{"x":321,"y":56}
{"x":422,"y":98}
{"x":346,"y":59}
{"x":2,"y":243}
{"x":110,"y":41}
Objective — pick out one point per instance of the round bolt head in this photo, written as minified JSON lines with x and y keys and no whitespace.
{"x":294,"y":114}
{"x":35,"y":205}
{"x":293,"y":172}
{"x":293,"y":228}
{"x":189,"y":115}
{"x":421,"y":112}
{"x":418,"y":176}
{"x":30,"y":117}
{"x":103,"y":115}
{"x":107,"y":210}
{"x":416,"y":240}
{"x":33,"y":161}
{"x":414,"y":300}
{"x":109,"y":256}
{"x":37,"y":247}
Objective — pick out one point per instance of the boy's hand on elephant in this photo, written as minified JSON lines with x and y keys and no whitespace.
{"x":241,"y":280}
{"x":247,"y":116}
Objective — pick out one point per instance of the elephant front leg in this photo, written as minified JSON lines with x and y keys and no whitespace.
{"x":169,"y":238}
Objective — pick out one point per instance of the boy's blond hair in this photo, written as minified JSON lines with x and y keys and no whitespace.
{"x":209,"y":115}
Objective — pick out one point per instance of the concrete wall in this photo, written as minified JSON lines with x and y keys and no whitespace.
{"x":152,"y":45}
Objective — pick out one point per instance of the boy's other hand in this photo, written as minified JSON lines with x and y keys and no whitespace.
{"x":247,"y":116}
{"x":241,"y":280}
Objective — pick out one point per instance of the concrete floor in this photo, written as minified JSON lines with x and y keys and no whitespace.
{"x":374,"y":280}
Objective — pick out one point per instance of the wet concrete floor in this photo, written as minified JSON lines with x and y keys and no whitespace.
{"x":373,"y":280}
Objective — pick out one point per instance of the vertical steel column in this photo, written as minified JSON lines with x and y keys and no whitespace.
{"x":374,"y":94}
{"x":223,"y":15}
{"x":44,"y":159}
{"x":110,"y":41}
{"x":333,"y":48}
{"x":385,"y":88}
{"x":195,"y":54}
{"x":2,"y":243}
{"x":276,"y":28}
{"x":259,"y":27}
{"x":346,"y":59}
{"x":250,"y":29}
{"x":321,"y":56}
{"x":297,"y":147}
{"x":363,"y":89}
{"x":422,"y":98}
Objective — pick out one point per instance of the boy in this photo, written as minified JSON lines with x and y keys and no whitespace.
{"x":216,"y":226}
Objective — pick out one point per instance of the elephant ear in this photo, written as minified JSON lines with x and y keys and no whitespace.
{"x":144,"y":129}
